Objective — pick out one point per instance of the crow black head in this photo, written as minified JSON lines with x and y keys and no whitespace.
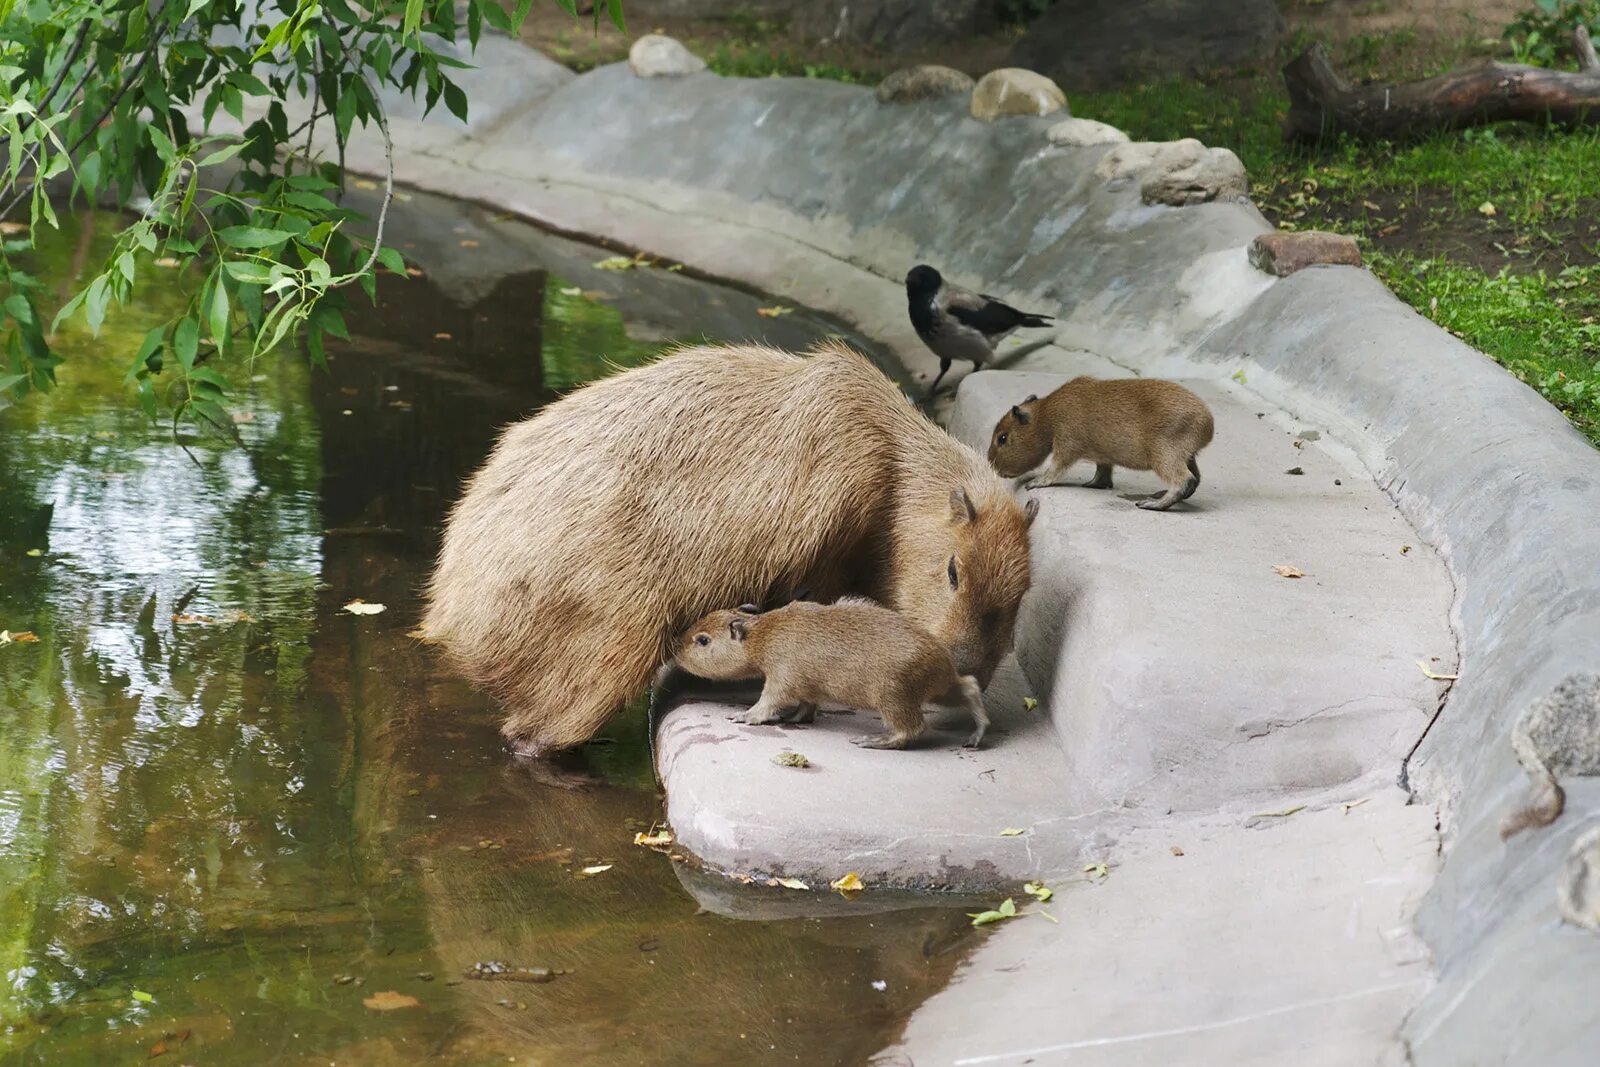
{"x":922,"y":280}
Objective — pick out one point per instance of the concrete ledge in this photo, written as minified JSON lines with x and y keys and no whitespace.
{"x":767,"y":182}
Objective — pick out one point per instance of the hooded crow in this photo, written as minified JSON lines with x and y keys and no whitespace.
{"x":957,"y":324}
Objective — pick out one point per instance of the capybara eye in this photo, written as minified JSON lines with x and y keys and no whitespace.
{"x":954,"y":583}
{"x":702,"y":640}
{"x":1002,"y":439}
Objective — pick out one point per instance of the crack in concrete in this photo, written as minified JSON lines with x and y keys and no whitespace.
{"x":1197,"y":1028}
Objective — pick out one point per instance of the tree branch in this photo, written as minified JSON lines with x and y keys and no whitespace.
{"x":1587,"y":60}
{"x":388,"y":195}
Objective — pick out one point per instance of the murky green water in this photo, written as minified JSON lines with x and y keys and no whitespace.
{"x":230,"y":813}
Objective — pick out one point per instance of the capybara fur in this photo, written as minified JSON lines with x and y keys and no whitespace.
{"x":1144,"y":424}
{"x":605,"y":524}
{"x":851,"y":652}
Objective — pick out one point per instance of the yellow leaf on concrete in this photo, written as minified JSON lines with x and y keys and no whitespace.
{"x":389,"y":1000}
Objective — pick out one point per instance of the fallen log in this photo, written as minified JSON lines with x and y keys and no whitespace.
{"x":1321,"y":102}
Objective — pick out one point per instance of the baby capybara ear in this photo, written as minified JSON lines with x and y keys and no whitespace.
{"x":1021,"y":416}
{"x":749,"y":609}
{"x":737,"y":629}
{"x":1030,"y":511}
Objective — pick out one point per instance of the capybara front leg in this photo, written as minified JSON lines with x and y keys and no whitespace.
{"x":1055,"y":474}
{"x":972,"y":697}
{"x":767,"y":710}
{"x":1101,"y":479}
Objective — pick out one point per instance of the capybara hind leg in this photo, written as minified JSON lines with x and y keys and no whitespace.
{"x":905,"y":724}
{"x":531,"y":735}
{"x":1175,"y":472}
{"x":1101,"y":479}
{"x":1194,"y":480}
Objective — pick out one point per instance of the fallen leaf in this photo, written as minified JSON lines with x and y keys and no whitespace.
{"x":1098,"y":870}
{"x":414,"y":272}
{"x":1176,"y":851}
{"x":442,"y":336}
{"x":468,"y":243}
{"x":1238,"y":376}
{"x":1046,"y":915}
{"x":571,"y":291}
{"x":1286,"y":571}
{"x":792,"y":883}
{"x":168,"y":262}
{"x":34,"y":552}
{"x":599,"y":868}
{"x":1006,"y":910}
{"x":1284,"y":814}
{"x":1038,"y":890}
{"x":850,"y":883}
{"x":389,"y":1000}
{"x":9,"y":227}
{"x":774,"y":311}
{"x":361,"y":607}
{"x":1012,"y":831}
{"x":1404,"y":549}
{"x":1347,"y":805}
{"x":653,"y":840}
{"x":1370,"y":206}
{"x":1487,"y":210}
{"x":20,"y":637}
{"x":675,"y":268}
{"x":1299,"y":444}
{"x":1435,"y":676}
{"x":791,"y":759}
{"x":1028,"y":703}
{"x":1295,"y":470}
{"x":169,"y":1042}
{"x":186,"y":619}
{"x":880,"y":985}
{"x":364,"y":183}
{"x":1390,"y":230}
{"x":142,"y":997}
{"x":617,"y":263}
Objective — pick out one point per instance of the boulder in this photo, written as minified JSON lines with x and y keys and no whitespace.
{"x":1092,"y":44}
{"x":1083,"y":133}
{"x":1284,"y":253}
{"x":922,"y":83}
{"x":1176,"y":172}
{"x":658,"y":56}
{"x":1014,"y":91}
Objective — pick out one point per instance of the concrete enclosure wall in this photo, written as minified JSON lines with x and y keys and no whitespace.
{"x":1490,"y":474}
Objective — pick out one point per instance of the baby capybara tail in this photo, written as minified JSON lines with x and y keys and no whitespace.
{"x":565,"y":704}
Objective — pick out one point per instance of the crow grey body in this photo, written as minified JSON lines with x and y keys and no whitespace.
{"x":956,"y":323}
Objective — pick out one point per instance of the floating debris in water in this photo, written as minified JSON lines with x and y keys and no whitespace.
{"x":654,"y":839}
{"x":361,"y":607}
{"x":389,"y":1000}
{"x":500,"y":971}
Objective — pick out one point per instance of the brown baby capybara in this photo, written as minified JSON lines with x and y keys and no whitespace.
{"x":602,"y":526}
{"x":851,"y":652}
{"x":1144,"y":424}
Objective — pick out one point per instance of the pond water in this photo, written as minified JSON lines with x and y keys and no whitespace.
{"x":232,"y":813}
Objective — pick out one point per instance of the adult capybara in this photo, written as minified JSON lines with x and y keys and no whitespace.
{"x":602,"y":526}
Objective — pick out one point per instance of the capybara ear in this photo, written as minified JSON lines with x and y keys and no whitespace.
{"x":961,"y":507}
{"x":1030,"y":398}
{"x":1021,"y":416}
{"x":1030,"y":510}
{"x":737,"y":629}
{"x":749,"y":609}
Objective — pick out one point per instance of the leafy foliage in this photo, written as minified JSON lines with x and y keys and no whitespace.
{"x":1543,"y":34}
{"x":113,"y":102}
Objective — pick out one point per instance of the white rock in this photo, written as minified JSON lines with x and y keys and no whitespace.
{"x":657,"y":56}
{"x":1082,"y":133}
{"x":1176,"y":172}
{"x":1015,"y":91}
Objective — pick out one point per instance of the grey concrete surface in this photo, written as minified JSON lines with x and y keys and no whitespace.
{"x":816,"y":192}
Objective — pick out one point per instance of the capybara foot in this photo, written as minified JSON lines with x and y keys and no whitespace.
{"x":881,"y":740}
{"x":759,"y":716}
{"x":1101,"y":479}
{"x":1160,"y":501}
{"x":801,"y":714}
{"x":527,"y":748}
{"x":975,"y":739}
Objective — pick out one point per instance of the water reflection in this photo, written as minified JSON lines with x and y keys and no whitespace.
{"x":231,"y":812}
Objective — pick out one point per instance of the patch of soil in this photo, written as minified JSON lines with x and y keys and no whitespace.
{"x":1429,"y":222}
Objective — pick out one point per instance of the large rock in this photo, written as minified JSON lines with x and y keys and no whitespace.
{"x":1083,"y":133}
{"x":658,"y":56}
{"x":1014,"y":91}
{"x":922,"y":83}
{"x":1090,"y":44}
{"x":1176,"y":172}
{"x":1284,"y":253}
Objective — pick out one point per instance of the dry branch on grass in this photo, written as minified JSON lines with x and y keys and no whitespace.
{"x":1321,"y":102}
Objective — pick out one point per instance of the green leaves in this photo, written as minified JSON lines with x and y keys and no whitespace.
{"x":252,"y":237}
{"x":1007,"y":910}
{"x":185,"y":342}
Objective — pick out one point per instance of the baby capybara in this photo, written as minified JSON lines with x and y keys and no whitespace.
{"x":851,"y":652}
{"x":1144,"y":424}
{"x":602,"y":526}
